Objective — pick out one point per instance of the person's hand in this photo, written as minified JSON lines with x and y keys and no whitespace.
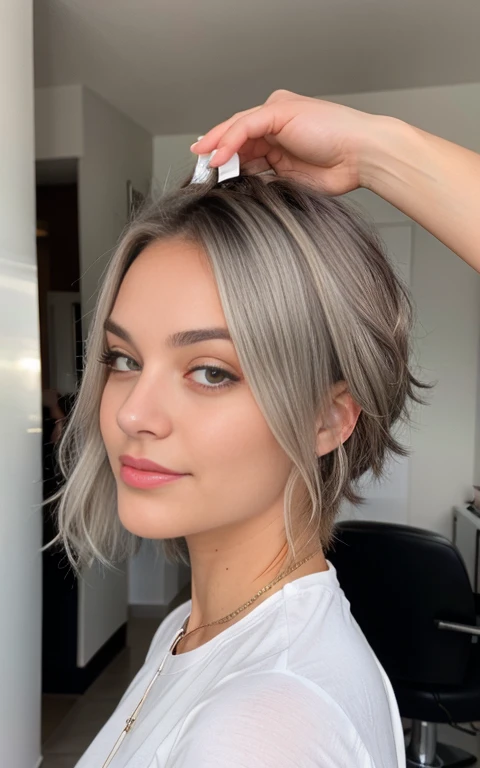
{"x":337,"y":149}
{"x":299,"y":137}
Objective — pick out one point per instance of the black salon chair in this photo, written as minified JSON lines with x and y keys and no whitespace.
{"x":410,"y":593}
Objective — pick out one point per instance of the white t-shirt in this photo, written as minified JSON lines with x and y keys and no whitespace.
{"x":292,"y":684}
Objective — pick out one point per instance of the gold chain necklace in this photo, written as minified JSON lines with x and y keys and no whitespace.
{"x":179,"y":636}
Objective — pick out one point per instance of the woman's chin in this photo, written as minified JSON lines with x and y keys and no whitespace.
{"x":144,"y":525}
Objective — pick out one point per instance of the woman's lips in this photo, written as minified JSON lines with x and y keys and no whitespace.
{"x":140,"y":478}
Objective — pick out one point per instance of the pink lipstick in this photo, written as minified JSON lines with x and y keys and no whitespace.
{"x":143,"y":473}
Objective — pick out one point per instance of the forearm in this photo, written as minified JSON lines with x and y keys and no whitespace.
{"x":435,"y":182}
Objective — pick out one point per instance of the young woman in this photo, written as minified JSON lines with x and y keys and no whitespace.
{"x":252,"y":337}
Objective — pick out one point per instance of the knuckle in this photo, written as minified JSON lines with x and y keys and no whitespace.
{"x":280,"y":93}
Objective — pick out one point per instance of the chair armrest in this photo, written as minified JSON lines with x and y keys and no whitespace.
{"x":470,"y":630}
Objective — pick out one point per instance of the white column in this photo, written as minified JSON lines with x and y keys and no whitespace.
{"x":20,"y":400}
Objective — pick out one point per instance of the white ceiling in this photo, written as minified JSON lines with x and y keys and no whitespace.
{"x":180,"y":66}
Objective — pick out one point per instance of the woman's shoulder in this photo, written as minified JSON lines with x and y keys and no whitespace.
{"x":321,"y":626}
{"x":325,"y":643}
{"x":328,"y":650}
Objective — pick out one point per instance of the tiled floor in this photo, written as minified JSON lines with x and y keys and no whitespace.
{"x":84,"y":717}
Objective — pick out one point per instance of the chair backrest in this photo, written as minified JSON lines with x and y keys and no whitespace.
{"x":398,"y":580}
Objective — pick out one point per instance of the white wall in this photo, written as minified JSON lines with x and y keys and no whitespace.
{"x":20,"y":401}
{"x":450,"y":111}
{"x":115,"y":149}
{"x":172,"y":160}
{"x":58,"y":122}
{"x":152,"y":580}
{"x":446,"y":292}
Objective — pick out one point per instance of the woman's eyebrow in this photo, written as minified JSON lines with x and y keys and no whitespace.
{"x":179,"y":339}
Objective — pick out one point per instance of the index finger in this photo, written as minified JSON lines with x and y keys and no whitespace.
{"x":263,"y":123}
{"x":209,"y":141}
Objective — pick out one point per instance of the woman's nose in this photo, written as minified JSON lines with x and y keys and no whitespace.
{"x":144,"y":409}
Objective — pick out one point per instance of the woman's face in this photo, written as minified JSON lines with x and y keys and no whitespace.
{"x":201,"y":423}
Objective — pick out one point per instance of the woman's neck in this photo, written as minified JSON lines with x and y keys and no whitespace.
{"x":226,"y":578}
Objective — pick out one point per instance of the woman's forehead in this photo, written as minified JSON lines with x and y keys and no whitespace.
{"x":168,"y":289}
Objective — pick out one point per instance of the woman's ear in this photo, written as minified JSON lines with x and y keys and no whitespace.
{"x":340,"y":421}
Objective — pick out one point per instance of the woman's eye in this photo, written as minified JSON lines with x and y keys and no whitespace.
{"x":216,"y":377}
{"x":109,"y":359}
{"x":212,"y":374}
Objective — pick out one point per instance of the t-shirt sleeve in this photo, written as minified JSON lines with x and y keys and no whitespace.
{"x":269,"y":720}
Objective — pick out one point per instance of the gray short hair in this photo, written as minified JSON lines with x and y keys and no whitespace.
{"x":310,"y":298}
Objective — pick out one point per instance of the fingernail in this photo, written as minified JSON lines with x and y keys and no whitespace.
{"x":196,"y":142}
{"x":213,"y":158}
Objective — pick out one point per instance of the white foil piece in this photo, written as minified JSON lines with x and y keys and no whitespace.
{"x":228,"y":170}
